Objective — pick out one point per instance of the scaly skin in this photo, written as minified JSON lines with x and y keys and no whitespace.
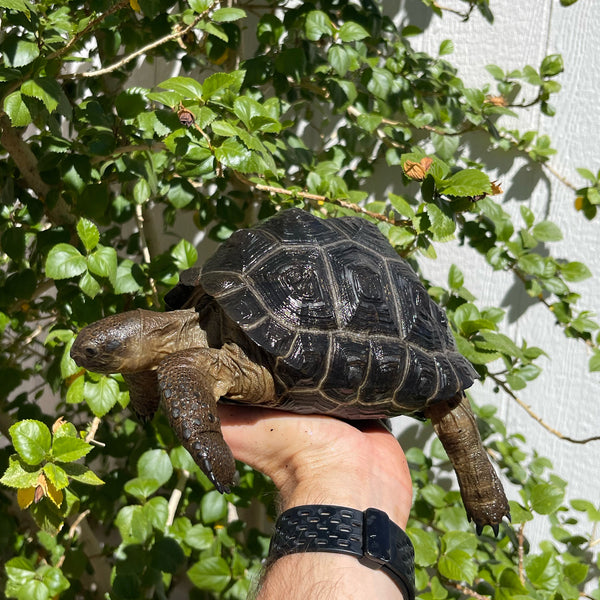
{"x":481,"y":490}
{"x":163,"y":356}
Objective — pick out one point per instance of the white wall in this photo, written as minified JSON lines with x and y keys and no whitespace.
{"x":566,"y":395}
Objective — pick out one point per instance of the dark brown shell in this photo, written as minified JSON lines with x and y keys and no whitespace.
{"x":350,"y":329}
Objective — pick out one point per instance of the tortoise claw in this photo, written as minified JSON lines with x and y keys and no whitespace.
{"x":208,"y":470}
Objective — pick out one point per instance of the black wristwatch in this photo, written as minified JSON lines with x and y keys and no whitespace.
{"x":376,"y":541}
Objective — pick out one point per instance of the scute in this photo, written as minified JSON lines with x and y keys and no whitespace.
{"x":349,"y":328}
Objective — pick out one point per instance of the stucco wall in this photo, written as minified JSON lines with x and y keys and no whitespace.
{"x":566,"y":395}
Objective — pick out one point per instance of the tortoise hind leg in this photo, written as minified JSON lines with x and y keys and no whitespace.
{"x":191,"y":382}
{"x":481,"y":490}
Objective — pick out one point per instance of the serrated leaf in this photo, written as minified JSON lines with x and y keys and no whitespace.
{"x":468,"y":182}
{"x":56,"y":476}
{"x":82,"y":474}
{"x":31,"y":440}
{"x":157,"y":511}
{"x":19,"y":474}
{"x":338,"y":58}
{"x":101,"y":396}
{"x":69,"y":449}
{"x":441,"y":225}
{"x":19,"y":51}
{"x":226,"y":15}
{"x":180,"y":192}
{"x":125,"y":281}
{"x":352,"y":32}
{"x":542,"y":570}
{"x":458,"y":565}
{"x":17,"y":110}
{"x":103,"y":262}
{"x":88,"y":233}
{"x":546,"y":498}
{"x":18,"y":6}
{"x":222,"y":81}
{"x":186,"y":87}
{"x":47,"y":90}
{"x":317,"y":25}
{"x":64,"y":261}
{"x":211,"y":573}
{"x":89,"y":285}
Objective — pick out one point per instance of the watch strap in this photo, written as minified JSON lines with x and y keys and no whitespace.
{"x":370,"y":536}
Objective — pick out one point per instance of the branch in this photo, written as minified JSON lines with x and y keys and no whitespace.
{"x":176,"y":496}
{"x":320,"y":200}
{"x":533,"y":415}
{"x":126,"y":59}
{"x":58,"y":53}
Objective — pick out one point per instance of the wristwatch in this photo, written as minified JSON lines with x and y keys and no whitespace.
{"x":376,"y":541}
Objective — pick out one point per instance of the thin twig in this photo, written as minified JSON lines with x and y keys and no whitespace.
{"x":321,"y":200}
{"x":533,"y":415}
{"x":139,"y":219}
{"x":559,"y":176}
{"x":127,"y":59}
{"x":176,"y":496}
{"x":89,"y":438}
{"x":521,"y":553}
{"x":87,"y":29}
{"x":467,"y":590}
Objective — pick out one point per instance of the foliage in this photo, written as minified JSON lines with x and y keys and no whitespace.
{"x":331,"y":95}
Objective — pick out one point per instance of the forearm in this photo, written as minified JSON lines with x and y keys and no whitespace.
{"x":325,"y":576}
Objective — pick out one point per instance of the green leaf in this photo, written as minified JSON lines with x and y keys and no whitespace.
{"x":546,"y":498}
{"x":219,"y":82}
{"x":542,"y":570}
{"x":64,"y":261}
{"x":317,"y":24}
{"x":17,"y":110}
{"x":81,"y":473}
{"x":18,"y":6}
{"x":546,"y":231}
{"x":141,"y":487}
{"x":199,"y":537}
{"x":500,"y":343}
{"x":141,"y":191}
{"x":89,"y":285}
{"x":20,"y":569}
{"x":19,"y":51}
{"x":88,"y":233}
{"x":446,"y":47}
{"x":157,"y":511}
{"x":101,"y":396}
{"x":211,"y":573}
{"x":125,"y":280}
{"x":456,"y":278}
{"x":552,"y":65}
{"x":442,"y":226}
{"x":180,"y":192}
{"x":19,"y":474}
{"x":338,"y":58}
{"x":594,"y":363}
{"x":213,"y":506}
{"x":155,"y":464}
{"x":186,"y":87}
{"x":133,"y":525}
{"x":380,"y":83}
{"x":47,"y":90}
{"x":56,"y":475}
{"x":31,"y":440}
{"x":426,"y":546}
{"x":458,"y":565}
{"x":468,"y":182}
{"x":575,"y":271}
{"x":201,"y":6}
{"x":68,"y":449}
{"x":225,"y":15}
{"x":352,"y":32}
{"x":185,"y":255}
{"x":54,"y":580}
{"x":103,"y":262}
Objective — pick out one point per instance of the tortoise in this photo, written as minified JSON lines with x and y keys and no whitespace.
{"x":303,"y":314}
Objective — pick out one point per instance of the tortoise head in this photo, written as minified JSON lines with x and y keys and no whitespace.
{"x":113,"y":344}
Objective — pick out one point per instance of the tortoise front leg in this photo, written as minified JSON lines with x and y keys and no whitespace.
{"x":191,"y":382}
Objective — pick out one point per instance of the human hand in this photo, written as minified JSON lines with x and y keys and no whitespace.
{"x":315,"y":459}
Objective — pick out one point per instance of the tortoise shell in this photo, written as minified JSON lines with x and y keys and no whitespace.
{"x":346,"y":325}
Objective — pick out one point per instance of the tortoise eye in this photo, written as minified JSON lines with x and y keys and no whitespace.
{"x":91,"y":352}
